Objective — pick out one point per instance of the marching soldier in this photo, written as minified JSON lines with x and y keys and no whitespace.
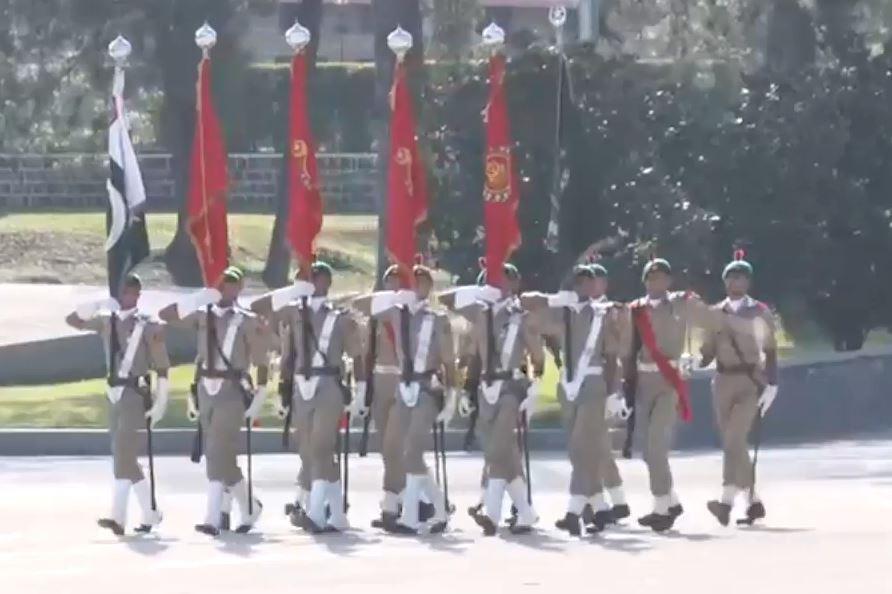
{"x":660,"y":322}
{"x":502,"y":338}
{"x":230,"y":340}
{"x":591,"y":334}
{"x":318,"y":335}
{"x":741,"y":339}
{"x":426,"y":396}
{"x":134,"y":345}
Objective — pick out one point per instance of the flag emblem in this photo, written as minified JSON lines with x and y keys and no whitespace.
{"x":498,"y":177}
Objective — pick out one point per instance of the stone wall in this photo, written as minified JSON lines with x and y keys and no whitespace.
{"x":78,"y":181}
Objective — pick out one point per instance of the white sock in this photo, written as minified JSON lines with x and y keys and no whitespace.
{"x":215,"y":499}
{"x":411,"y":497}
{"x":729,"y":493}
{"x":661,"y":505}
{"x":143,"y":493}
{"x":673,"y":498}
{"x":390,"y":503}
{"x":517,"y":491}
{"x":576,"y":504}
{"x":120,"y":497}
{"x":495,"y":493}
{"x":617,"y":495}
{"x":335,"y":498}
{"x":598,"y":502}
{"x":316,"y":507}
{"x":753,"y":497}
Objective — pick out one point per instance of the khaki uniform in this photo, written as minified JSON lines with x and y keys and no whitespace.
{"x":735,"y":394}
{"x":498,"y":419}
{"x":584,"y":411}
{"x":222,"y":401}
{"x":656,"y":403}
{"x":127,"y":422}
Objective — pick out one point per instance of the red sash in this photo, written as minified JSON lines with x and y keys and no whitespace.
{"x":641,"y":317}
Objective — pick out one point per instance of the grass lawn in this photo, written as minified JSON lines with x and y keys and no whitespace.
{"x":67,"y":246}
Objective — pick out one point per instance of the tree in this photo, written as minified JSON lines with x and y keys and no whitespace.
{"x":278,"y":260}
{"x":389,"y":14}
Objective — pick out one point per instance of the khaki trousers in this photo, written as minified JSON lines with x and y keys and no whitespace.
{"x":735,"y":400}
{"x":584,"y":419}
{"x":610,"y":471}
{"x":656,"y":406}
{"x":498,"y":423}
{"x":386,"y":417}
{"x":127,"y":425}
{"x":222,"y":419}
{"x":317,"y":422}
{"x":413,"y":428}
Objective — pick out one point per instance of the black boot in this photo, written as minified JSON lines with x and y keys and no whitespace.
{"x":676,"y":510}
{"x":245,"y":528}
{"x":387,"y":518}
{"x":397,"y":528}
{"x":657,"y":522}
{"x":620,"y":512}
{"x":438,"y":528}
{"x":475,"y":509}
{"x":721,"y":511}
{"x":425,"y":511}
{"x":110,"y":524}
{"x":224,"y":522}
{"x":569,"y":523}
{"x":484,"y":521}
{"x":756,"y":511}
{"x":207,"y":529}
{"x":600,"y":520}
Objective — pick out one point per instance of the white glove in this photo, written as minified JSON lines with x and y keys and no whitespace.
{"x":193,"y":302}
{"x":191,"y":409}
{"x":563,"y":299}
{"x":156,"y":413}
{"x":405,"y":297}
{"x":616,"y":407}
{"x":256,"y":404}
{"x":490,"y":294}
{"x":87,"y":311}
{"x":382,"y":301}
{"x":687,"y":365}
{"x":528,"y":404}
{"x":448,"y":411}
{"x":465,"y":406}
{"x":282,"y":410}
{"x":358,"y":407}
{"x":282,"y":297}
{"x":767,"y":399}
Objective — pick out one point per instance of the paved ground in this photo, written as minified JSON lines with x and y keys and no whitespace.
{"x":829,"y":529}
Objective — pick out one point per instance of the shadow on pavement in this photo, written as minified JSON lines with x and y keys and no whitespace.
{"x":149,"y":545}
{"x":243,"y":544}
{"x":344,"y":543}
{"x":538,"y":539}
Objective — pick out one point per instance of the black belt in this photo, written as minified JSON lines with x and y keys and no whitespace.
{"x":125,"y":382}
{"x":230,"y":374}
{"x":418,"y":376}
{"x":503,"y":376}
{"x":328,"y":371}
{"x":741,"y":369}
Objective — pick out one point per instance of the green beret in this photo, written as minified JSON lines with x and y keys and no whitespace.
{"x":656,"y":265}
{"x":422,"y":270}
{"x":599,"y":270}
{"x":233,"y":274}
{"x":510,"y":271}
{"x":320,"y":267}
{"x":133,"y":280}
{"x":738,"y":264}
{"x":392,"y":270}
{"x":584,"y":270}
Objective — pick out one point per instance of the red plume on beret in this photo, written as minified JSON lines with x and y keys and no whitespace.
{"x":593,"y":258}
{"x":481,"y":262}
{"x":653,"y":256}
{"x":419,"y":259}
{"x":739,"y":255}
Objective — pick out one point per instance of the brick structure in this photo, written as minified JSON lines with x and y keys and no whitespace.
{"x":78,"y":181}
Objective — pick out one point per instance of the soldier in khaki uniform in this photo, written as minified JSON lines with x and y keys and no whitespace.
{"x":591,"y":334}
{"x":386,"y":374}
{"x":318,"y":336}
{"x":426,"y":395}
{"x":503,"y":337}
{"x":134,"y":345}
{"x":741,"y":339}
{"x":230,"y":340}
{"x":657,"y":397}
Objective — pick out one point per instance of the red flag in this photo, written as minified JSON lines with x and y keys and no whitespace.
{"x":500,"y":189}
{"x":641,"y":318}
{"x":208,"y":180}
{"x":406,"y":179}
{"x":305,"y":200}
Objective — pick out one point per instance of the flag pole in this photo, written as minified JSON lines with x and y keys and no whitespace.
{"x":557,"y":16}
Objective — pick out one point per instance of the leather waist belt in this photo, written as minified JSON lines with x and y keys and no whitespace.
{"x":740,"y":369}
{"x":328,"y":371}
{"x":230,"y":374}
{"x":653,"y":368}
{"x":387,"y":370}
{"x":125,"y":382}
{"x":511,"y":374}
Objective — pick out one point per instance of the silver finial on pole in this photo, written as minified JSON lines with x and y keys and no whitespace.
{"x":557,"y":16}
{"x":493,"y":37}
{"x":205,"y":38}
{"x":119,"y":50}
{"x":297,"y":37}
{"x":400,"y":42}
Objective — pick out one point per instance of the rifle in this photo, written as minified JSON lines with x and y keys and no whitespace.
{"x":286,"y":392}
{"x":146,"y":393}
{"x":198,"y":440}
{"x":472,"y":384}
{"x":630,"y":387}
{"x":369,"y":386}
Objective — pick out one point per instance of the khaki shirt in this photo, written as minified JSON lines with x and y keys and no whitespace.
{"x":610,"y":339}
{"x":670,"y":321}
{"x":753,"y":328}
{"x":441,"y":352}
{"x":346,"y":337}
{"x":528,"y":342}
{"x":151,"y":354}
{"x":252,"y":340}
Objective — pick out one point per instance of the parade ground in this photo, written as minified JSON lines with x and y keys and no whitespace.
{"x":828,"y":530}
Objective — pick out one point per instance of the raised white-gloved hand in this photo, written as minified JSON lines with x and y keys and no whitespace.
{"x":253,"y":411}
{"x":191,"y":409}
{"x":616,"y":407}
{"x":767,"y":399}
{"x":282,"y":297}
{"x":358,"y":407}
{"x":87,"y":311}
{"x":282,"y":410}
{"x":156,"y":413}
{"x":687,"y":363}
{"x":405,"y":297}
{"x":194,"y":301}
{"x":528,"y":404}
{"x":563,"y":299}
{"x":448,"y":411}
{"x":490,"y":294}
{"x":465,"y":406}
